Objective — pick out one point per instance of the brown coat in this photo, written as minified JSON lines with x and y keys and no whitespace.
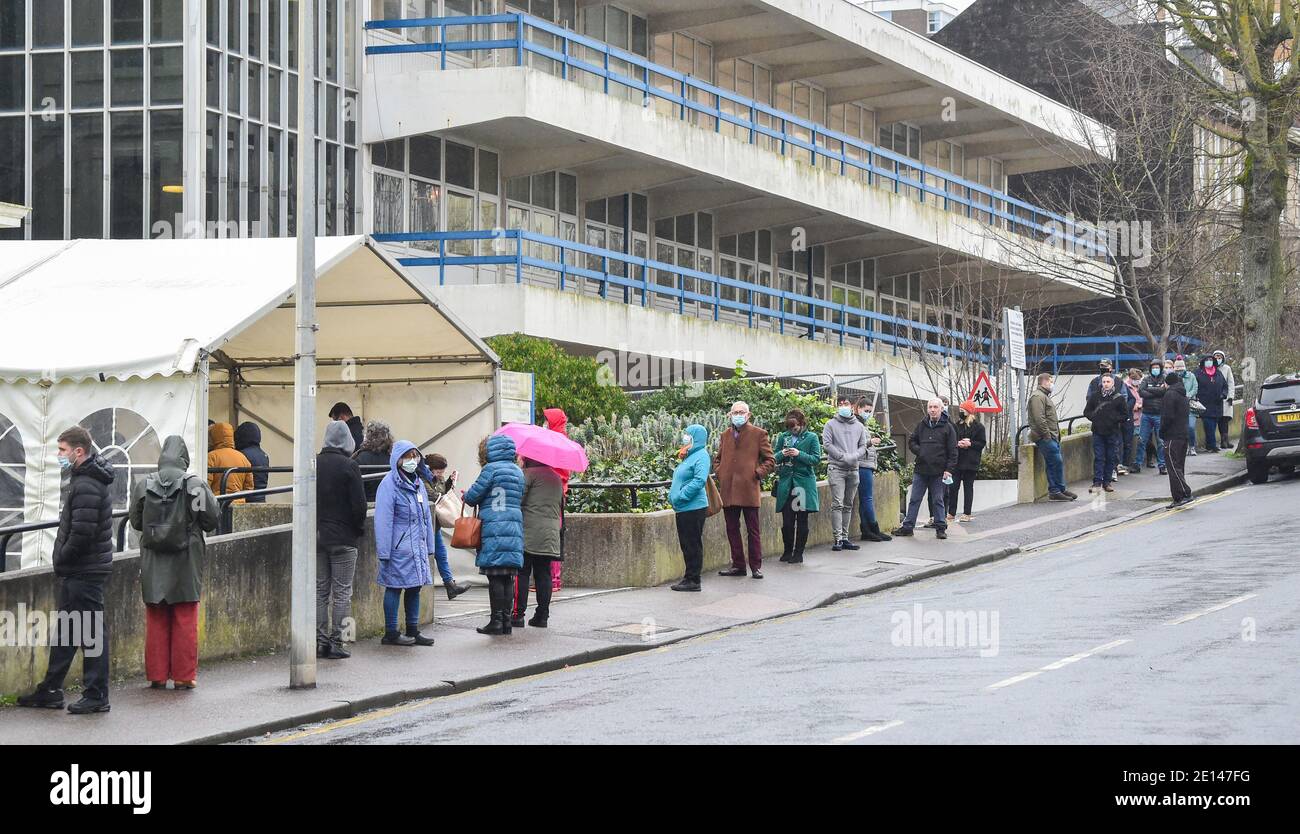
{"x":222,"y":455}
{"x":742,"y":464}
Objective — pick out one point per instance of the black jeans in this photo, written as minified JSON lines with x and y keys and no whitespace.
{"x":83,"y":626}
{"x":961,"y":478}
{"x":541,"y":567}
{"x":690,"y":536}
{"x":794,"y":529}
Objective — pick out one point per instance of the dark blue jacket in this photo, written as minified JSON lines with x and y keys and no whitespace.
{"x":248,"y":439}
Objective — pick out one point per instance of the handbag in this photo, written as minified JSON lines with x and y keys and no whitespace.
{"x":448,"y":509}
{"x":715,"y":497}
{"x":467,"y":533}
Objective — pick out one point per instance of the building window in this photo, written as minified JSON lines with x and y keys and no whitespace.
{"x":933,"y":22}
{"x":127,"y":443}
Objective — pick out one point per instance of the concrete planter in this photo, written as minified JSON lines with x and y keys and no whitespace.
{"x":620,"y":550}
{"x":1076,"y":454}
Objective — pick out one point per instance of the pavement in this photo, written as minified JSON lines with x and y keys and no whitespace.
{"x":249,"y":697}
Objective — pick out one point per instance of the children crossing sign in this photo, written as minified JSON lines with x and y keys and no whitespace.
{"x":985,"y":398}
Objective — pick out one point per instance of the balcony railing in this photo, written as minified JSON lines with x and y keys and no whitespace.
{"x":642,"y":281}
{"x":696,"y":101}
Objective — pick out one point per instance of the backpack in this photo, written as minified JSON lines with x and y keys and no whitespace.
{"x":165,"y":520}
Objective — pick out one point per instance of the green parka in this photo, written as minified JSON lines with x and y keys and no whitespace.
{"x":797,"y":472}
{"x":174,"y":577}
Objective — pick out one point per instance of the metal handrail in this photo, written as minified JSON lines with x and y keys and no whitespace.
{"x":1069,"y":429}
{"x":686,"y":87}
{"x":646,"y":285}
{"x":224,"y":503}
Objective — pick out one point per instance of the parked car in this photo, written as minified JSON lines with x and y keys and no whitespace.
{"x":1273,"y":428}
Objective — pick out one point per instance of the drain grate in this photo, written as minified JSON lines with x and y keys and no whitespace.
{"x":640,"y":629}
{"x":871,"y":572}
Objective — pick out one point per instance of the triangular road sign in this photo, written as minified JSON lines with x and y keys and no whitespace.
{"x":985,"y":398}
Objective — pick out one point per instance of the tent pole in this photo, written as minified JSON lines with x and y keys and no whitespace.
{"x":302,"y":631}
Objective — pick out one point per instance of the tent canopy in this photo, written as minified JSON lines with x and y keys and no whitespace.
{"x":95,"y":309}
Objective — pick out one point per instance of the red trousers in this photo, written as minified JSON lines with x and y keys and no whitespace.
{"x":171,"y":642}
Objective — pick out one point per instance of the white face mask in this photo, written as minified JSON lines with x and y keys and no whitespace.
{"x":687,"y":440}
{"x":409,"y":466}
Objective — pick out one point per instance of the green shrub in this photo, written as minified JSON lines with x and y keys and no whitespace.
{"x":577,"y":384}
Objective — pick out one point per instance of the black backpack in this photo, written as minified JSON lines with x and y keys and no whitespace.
{"x":166,"y":520}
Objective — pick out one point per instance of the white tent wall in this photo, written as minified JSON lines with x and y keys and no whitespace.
{"x":165,"y":405}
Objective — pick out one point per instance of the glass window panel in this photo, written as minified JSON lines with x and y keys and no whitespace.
{"x":640,"y":36}
{"x":291,"y":100}
{"x":727,"y":245}
{"x":166,"y":135}
{"x":126,"y":200}
{"x":388,"y":203}
{"x":234,"y":157}
{"x":47,"y":81}
{"x":349,"y":191}
{"x":255,"y":26}
{"x":128,"y":21}
{"x":165,"y":75}
{"x":460,"y":218}
{"x":254,"y":169}
{"x":568,"y":184}
{"x":686,"y":229}
{"x":273,"y":31}
{"x":214,"y":22}
{"x":595,"y":210}
{"x":331,"y":188}
{"x":664,"y":228}
{"x":234,"y":74}
{"x":87,"y":165}
{"x":273,"y":162}
{"x":87,"y":22}
{"x":291,"y":186}
{"x":273,"y":95}
{"x":349,"y":44}
{"x":425,"y":202}
{"x":706,"y":231}
{"x":350,"y":112}
{"x":234,"y":37}
{"x":332,"y":112}
{"x":765,"y":246}
{"x":167,"y":20}
{"x":13,"y":83}
{"x":616,"y":27}
{"x":703,"y":61}
{"x":47,"y":178}
{"x":13,"y":26}
{"x":254,"y":90}
{"x":544,"y":190}
{"x":331,"y":39}
{"x":746,"y":245}
{"x":517,"y":189}
{"x":426,"y":156}
{"x":212,"y":78}
{"x":47,"y":24}
{"x":13,"y":144}
{"x":487,"y":216}
{"x":640,"y":213}
{"x":212,"y":162}
{"x":460,"y":165}
{"x":291,"y":39}
{"x":127,"y":78}
{"x":489,"y":171}
{"x":617,"y":215}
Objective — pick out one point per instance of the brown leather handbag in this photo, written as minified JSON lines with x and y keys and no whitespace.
{"x":715,"y":497}
{"x":468,"y":532}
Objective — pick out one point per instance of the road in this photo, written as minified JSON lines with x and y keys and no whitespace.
{"x":1180,"y":627}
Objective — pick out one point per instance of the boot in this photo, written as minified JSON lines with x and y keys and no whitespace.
{"x":507,"y":605}
{"x":800,"y":541}
{"x":394,"y":638}
{"x":413,"y":631}
{"x":880,"y":535}
{"x":43,"y":698}
{"x":500,"y":618}
{"x":540,"y":616}
{"x":454,"y":589}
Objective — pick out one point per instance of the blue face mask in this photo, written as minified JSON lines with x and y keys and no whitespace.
{"x":738,"y":420}
{"x":1157,"y":371}
{"x":845,"y":412}
{"x":64,"y":463}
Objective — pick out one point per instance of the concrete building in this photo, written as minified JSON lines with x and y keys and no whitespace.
{"x":718,"y":178}
{"x":925,"y":17}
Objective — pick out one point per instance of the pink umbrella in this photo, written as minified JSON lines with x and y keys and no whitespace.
{"x":545,"y":446}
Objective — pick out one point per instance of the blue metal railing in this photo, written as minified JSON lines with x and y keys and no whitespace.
{"x":760,"y":302}
{"x":893,"y":171}
{"x":1117,"y":354}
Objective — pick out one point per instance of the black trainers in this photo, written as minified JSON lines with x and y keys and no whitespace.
{"x":848,"y":545}
{"x":1057,"y":496}
{"x":903,"y":531}
{"x":940,"y":534}
{"x":838,"y":546}
{"x":337,"y":652}
{"x":733,"y":572}
{"x":685,"y":585}
{"x":393,"y":638}
{"x":1164,"y":471}
{"x":86,"y":706}
{"x":42,"y":698}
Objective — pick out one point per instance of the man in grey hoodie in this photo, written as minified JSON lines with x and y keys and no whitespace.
{"x":845,"y":442}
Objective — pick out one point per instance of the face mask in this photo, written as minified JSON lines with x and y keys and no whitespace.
{"x":1209,"y":363}
{"x":845,"y":412}
{"x":687,"y":440}
{"x":64,"y":463}
{"x":738,"y":420}
{"x":1157,"y":371}
{"x":409,"y":466}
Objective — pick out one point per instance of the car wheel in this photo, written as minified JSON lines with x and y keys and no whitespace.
{"x":1258,"y":473}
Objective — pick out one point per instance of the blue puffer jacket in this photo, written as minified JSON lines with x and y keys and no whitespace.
{"x":404,"y":535}
{"x":688,"y":492}
{"x":498,"y":493}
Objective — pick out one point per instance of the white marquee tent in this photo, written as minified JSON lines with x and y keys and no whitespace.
{"x":139,"y":340}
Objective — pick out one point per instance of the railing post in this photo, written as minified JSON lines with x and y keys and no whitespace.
{"x":604,"y":271}
{"x":564,"y":65}
{"x":717,"y":120}
{"x":645,"y":284}
{"x":753,"y":122}
{"x":519,"y":40}
{"x":442,"y":262}
{"x":519,"y":259}
{"x":606,"y":78}
{"x":681,"y":90}
{"x":442,"y":45}
{"x":814,"y":146}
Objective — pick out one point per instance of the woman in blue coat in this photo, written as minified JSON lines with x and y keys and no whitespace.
{"x":690,"y":500}
{"x":498,"y":493}
{"x":404,"y":538}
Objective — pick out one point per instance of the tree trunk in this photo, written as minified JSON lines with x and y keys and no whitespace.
{"x":1263,"y":272}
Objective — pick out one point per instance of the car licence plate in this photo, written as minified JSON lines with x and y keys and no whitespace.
{"x":1291,"y":417}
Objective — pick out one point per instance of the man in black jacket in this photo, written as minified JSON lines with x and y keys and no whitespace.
{"x":1173,"y":431}
{"x":1152,"y":391}
{"x":83,"y":561}
{"x":1108,"y":411}
{"x":340,"y":524}
{"x":934,"y":444}
{"x":248,"y":441}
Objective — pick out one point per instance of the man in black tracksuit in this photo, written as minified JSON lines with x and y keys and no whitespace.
{"x":1173,"y":432}
{"x":83,"y":561}
{"x":934,"y":443}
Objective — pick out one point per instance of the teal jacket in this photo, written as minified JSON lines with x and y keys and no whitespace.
{"x":688,"y":491}
{"x":799,"y":472}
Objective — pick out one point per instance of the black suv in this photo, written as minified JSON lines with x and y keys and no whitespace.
{"x":1273,"y":428}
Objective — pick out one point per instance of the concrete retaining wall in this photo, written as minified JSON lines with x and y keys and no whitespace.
{"x":620,"y":550}
{"x":1076,"y":454}
{"x":244,"y":610}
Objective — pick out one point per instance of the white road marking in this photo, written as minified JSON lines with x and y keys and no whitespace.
{"x":1051,"y":667}
{"x":1188,"y":618}
{"x":869,"y":731}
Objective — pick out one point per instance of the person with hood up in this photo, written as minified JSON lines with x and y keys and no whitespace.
{"x":340,"y":524}
{"x":797,"y":455}
{"x":542,"y":507}
{"x":499,"y":493}
{"x":248,"y":440}
{"x":83,"y":563}
{"x":558,"y":421}
{"x":845,"y":440}
{"x":869,"y":527}
{"x":404,"y":540}
{"x":971,"y":440}
{"x":1225,"y":421}
{"x":1106,"y":410}
{"x":1211,"y":391}
{"x":934,"y":444}
{"x":343,"y":413}
{"x":1190,"y":388}
{"x":222,"y":455}
{"x":690,"y":501}
{"x":172,"y":510}
{"x":1173,"y":431}
{"x":374,"y":451}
